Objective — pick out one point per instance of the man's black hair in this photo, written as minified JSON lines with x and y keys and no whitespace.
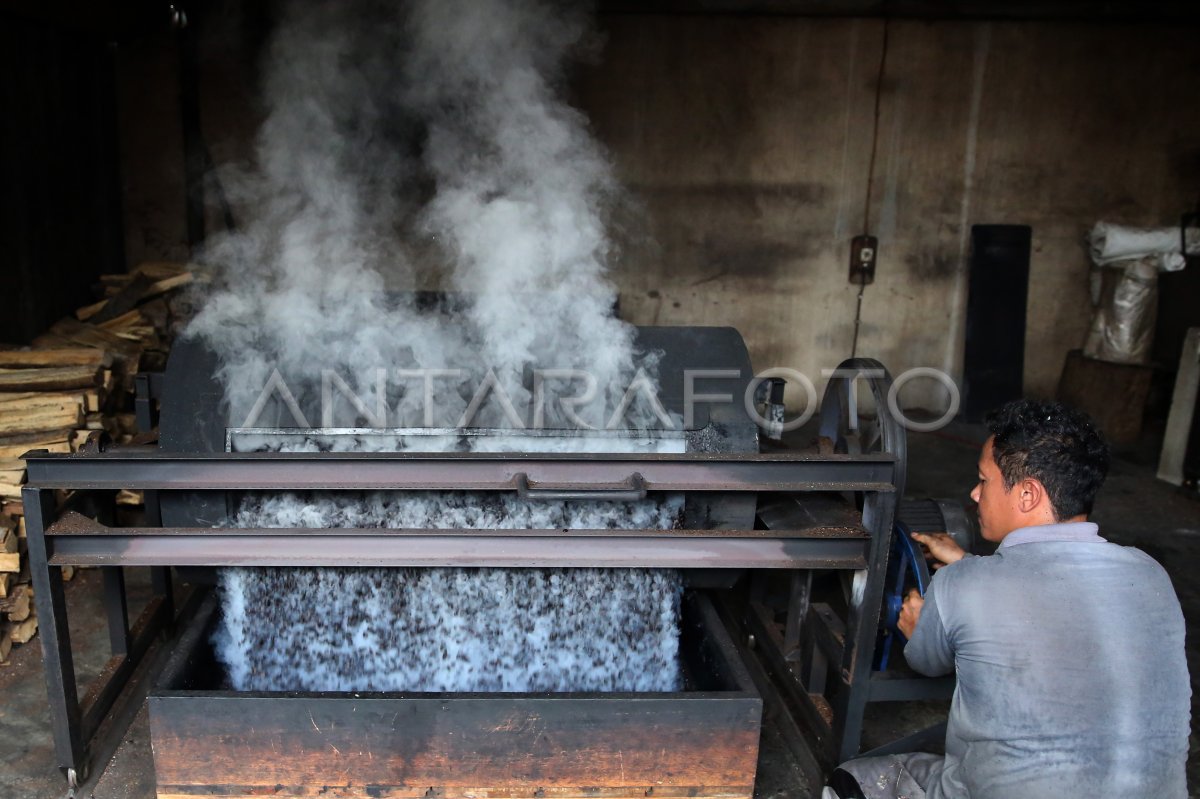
{"x":1054,"y":444}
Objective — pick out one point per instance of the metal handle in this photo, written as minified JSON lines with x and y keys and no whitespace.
{"x":636,"y":490}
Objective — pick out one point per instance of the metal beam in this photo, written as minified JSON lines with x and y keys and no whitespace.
{"x":262,"y":548}
{"x":150,"y":469}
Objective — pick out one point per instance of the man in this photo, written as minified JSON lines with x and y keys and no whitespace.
{"x":1068,"y":650}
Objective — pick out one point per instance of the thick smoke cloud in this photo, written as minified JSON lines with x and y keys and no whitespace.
{"x":422,"y":145}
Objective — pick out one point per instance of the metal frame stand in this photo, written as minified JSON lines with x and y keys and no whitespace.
{"x":821,"y":663}
{"x":827,"y":537}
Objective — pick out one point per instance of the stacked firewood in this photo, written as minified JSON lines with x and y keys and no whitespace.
{"x":76,"y":378}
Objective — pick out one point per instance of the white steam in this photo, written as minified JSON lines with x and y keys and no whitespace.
{"x":422,"y":147}
{"x":430,"y":147}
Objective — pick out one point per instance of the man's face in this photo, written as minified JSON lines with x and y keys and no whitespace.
{"x":998,"y":515}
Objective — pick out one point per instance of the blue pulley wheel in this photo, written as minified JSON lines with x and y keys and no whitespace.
{"x":906,"y":570}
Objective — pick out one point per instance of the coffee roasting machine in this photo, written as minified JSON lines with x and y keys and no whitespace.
{"x":786,"y":554}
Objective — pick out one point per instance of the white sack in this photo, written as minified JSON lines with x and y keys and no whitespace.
{"x":1109,"y":244}
{"x":1123,"y":325}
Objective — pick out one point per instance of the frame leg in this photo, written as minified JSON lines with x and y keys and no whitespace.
{"x":52,"y":627}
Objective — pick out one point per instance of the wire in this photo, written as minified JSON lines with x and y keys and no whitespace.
{"x":883,"y":52}
{"x":862,"y":287}
{"x":862,"y":278}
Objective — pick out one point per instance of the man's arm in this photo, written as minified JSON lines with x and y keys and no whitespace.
{"x":928,"y":649}
{"x":941,"y":547}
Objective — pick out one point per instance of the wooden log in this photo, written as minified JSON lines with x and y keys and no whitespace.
{"x":40,"y":418}
{"x":157,"y":314}
{"x":168,"y":284}
{"x":125,"y":321}
{"x":161,"y":270}
{"x":7,"y":584}
{"x":65,"y":356}
{"x":93,"y":336}
{"x":10,"y":508}
{"x":22,"y":632}
{"x":23,"y":400}
{"x":5,"y":640}
{"x":49,"y":379}
{"x":10,"y":552}
{"x":126,"y":422}
{"x":52,"y":341}
{"x":124,"y":300}
{"x":88,"y":311}
{"x":18,"y":605}
{"x":131,"y":498}
{"x":10,"y":448}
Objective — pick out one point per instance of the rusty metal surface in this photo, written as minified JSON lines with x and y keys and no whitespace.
{"x":150,"y":469}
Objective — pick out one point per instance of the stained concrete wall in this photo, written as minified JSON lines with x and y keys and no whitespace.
{"x":746,"y":145}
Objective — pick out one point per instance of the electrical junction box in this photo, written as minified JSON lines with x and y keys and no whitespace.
{"x":863,"y":252}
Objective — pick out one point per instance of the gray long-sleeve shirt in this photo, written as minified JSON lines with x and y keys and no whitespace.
{"x":1072,"y":679}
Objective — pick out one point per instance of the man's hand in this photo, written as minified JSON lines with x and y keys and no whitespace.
{"x":941,"y":547}
{"x":910,"y":612}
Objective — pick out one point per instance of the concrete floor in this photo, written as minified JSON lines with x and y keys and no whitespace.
{"x":1134,"y":509}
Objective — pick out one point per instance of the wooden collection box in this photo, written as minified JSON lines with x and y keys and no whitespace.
{"x":700,"y":742}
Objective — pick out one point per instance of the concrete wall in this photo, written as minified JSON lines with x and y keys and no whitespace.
{"x":746,"y":144}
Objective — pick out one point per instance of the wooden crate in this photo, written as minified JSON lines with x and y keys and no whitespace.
{"x":701,"y":742}
{"x":1113,"y":394}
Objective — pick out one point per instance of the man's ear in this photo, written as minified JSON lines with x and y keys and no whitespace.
{"x":1031,"y":493}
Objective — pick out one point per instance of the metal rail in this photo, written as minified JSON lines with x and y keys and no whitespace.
{"x":147,"y":468}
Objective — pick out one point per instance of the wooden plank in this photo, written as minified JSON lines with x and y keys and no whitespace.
{"x":34,"y":399}
{"x":39,"y":418}
{"x":69,"y":356}
{"x":705,"y":745}
{"x":48,"y":379}
{"x":15,"y":449}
